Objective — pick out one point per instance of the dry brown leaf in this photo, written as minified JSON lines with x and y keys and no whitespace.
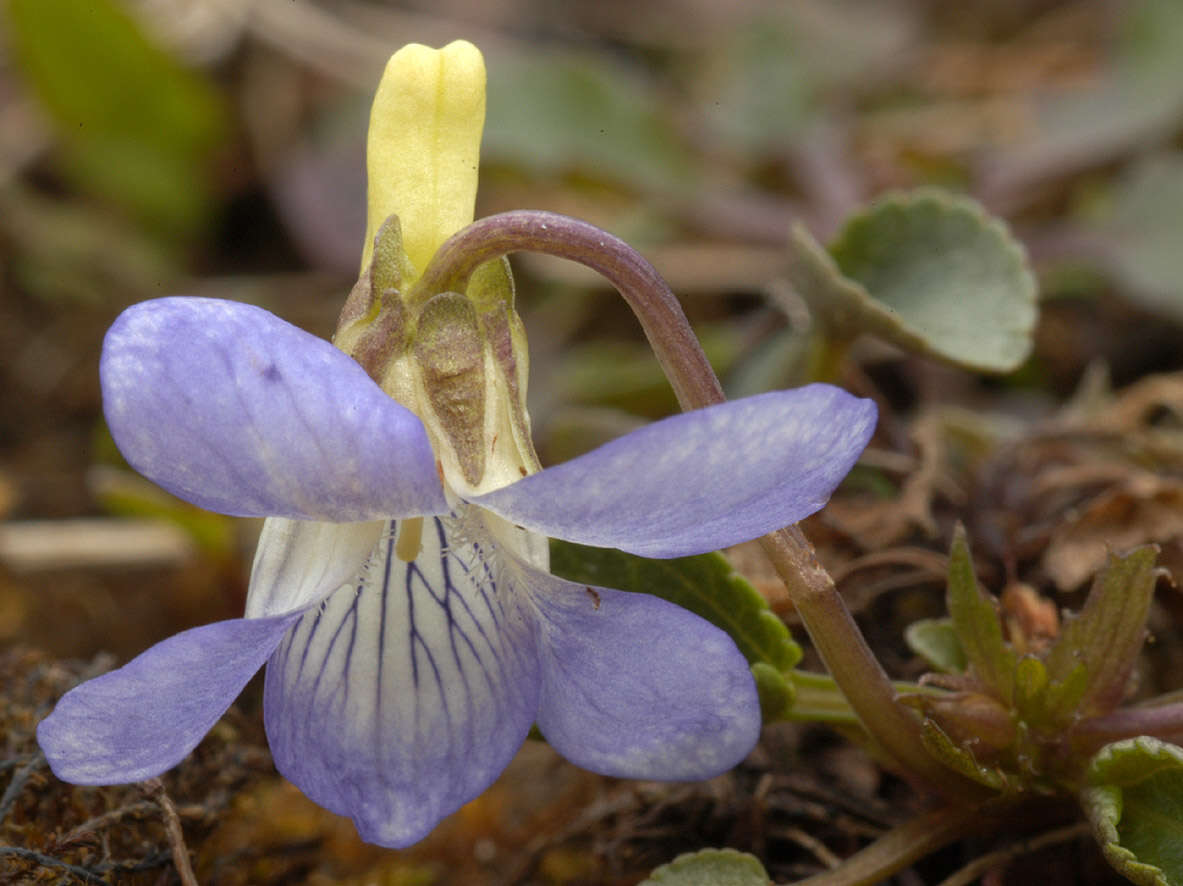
{"x":1145,"y":508}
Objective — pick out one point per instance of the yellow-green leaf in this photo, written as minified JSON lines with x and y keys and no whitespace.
{"x":710,"y":867}
{"x":1109,"y":631}
{"x":977,"y":624}
{"x":935,"y":640}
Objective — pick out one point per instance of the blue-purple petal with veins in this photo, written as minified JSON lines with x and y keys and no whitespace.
{"x":405,"y":695}
{"x":699,"y":481}
{"x":636,"y":687}
{"x":137,"y":721}
{"x":237,"y":411}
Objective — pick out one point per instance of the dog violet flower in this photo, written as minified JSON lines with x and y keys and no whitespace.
{"x":400,"y":596}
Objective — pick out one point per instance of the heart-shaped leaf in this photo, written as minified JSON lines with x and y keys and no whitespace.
{"x":1134,"y":801}
{"x":928,"y":271}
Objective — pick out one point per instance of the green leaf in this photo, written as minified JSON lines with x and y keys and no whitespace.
{"x":776,"y":70}
{"x":711,"y":867}
{"x":560,"y":113}
{"x":1107,"y":635}
{"x":935,"y":640}
{"x":625,"y":375}
{"x":708,"y":586}
{"x":1134,"y":100}
{"x":977,"y":624}
{"x":1134,"y":801}
{"x":927,"y":271}
{"x":1062,"y":697}
{"x":136,"y":128}
{"x":1141,"y":232}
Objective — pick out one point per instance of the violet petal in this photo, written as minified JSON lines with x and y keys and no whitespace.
{"x":137,"y":721}
{"x":699,"y":481}
{"x":235,"y":410}
{"x":636,"y":687}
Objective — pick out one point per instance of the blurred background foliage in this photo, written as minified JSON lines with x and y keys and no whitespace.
{"x":216,"y":147}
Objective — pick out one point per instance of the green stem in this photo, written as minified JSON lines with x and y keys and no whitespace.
{"x":811,"y":589}
{"x":818,"y":699}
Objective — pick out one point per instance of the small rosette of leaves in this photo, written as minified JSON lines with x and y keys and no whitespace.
{"x":709,"y":587}
{"x":1010,"y":719}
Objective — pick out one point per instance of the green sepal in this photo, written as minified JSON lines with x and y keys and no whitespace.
{"x":935,"y":640}
{"x":1134,"y":801}
{"x":938,"y":743}
{"x":390,"y":268}
{"x":1106,"y":636}
{"x":449,"y":351}
{"x":928,"y":271}
{"x":978,"y":627}
{"x":710,"y":867}
{"x":1030,"y":687}
{"x":708,"y":586}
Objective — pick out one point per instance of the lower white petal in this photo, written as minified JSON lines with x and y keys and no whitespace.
{"x":405,"y":694}
{"x":300,"y":562}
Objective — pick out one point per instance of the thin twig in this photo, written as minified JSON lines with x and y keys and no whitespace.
{"x":88,"y":827}
{"x":48,"y":861}
{"x":984,"y":864}
{"x":809,"y":843}
{"x":18,"y":783}
{"x":902,"y":845}
{"x":172,"y":826}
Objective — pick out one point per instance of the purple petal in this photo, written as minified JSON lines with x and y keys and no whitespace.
{"x":143,"y":718}
{"x":699,"y":481}
{"x":298,"y":563}
{"x":636,"y":687}
{"x":398,"y":700}
{"x":231,"y":408}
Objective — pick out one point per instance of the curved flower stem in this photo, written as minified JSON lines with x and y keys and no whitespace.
{"x":669,"y":333}
{"x":834,"y":632}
